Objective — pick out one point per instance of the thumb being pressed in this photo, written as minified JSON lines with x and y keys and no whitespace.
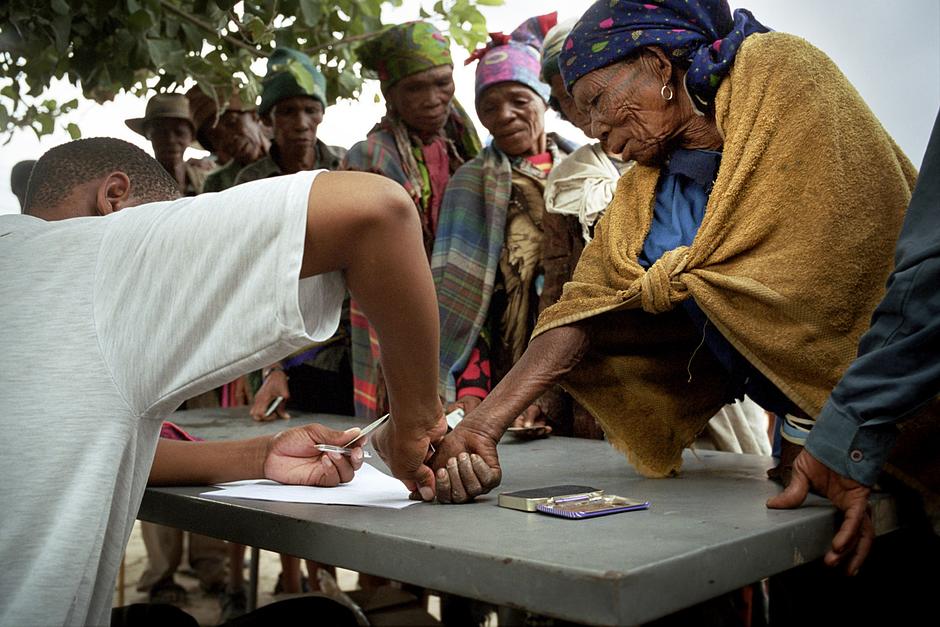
{"x":422,"y":483}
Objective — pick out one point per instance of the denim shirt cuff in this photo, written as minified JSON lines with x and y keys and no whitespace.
{"x":839,"y":442}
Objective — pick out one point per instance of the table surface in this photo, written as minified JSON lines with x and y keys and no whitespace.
{"x":706,"y":532}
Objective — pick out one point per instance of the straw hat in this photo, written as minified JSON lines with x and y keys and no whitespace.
{"x":162,"y":106}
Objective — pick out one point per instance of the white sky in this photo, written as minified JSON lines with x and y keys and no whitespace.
{"x":889,"y":50}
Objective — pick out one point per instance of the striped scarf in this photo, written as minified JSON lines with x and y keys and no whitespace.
{"x":470,"y":238}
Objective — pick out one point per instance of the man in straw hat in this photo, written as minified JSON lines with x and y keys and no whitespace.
{"x":168,"y":125}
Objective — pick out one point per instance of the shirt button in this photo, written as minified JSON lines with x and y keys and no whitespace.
{"x":856,"y":455}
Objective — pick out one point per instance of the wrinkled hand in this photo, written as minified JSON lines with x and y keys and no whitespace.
{"x":405,"y":452}
{"x":854,"y":539}
{"x":293,"y":458}
{"x":466,"y":466}
{"x":275,"y":385}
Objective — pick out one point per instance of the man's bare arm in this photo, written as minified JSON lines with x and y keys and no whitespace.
{"x":289,"y":457}
{"x":367,"y":226}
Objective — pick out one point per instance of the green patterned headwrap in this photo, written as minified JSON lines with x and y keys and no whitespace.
{"x":290,"y":73}
{"x":403,"y":50}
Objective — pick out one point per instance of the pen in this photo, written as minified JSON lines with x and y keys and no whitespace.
{"x":342,"y":450}
{"x":273,"y":406}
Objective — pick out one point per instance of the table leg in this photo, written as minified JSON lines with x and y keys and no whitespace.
{"x":253,"y":579}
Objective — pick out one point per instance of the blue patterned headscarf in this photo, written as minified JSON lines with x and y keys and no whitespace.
{"x":702,"y":34}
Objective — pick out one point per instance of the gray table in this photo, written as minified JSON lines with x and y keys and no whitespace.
{"x":706,"y":533}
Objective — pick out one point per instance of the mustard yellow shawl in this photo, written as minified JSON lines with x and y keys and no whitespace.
{"x":790,"y":260}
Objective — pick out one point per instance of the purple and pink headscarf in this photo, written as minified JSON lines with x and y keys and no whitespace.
{"x":702,"y":34}
{"x":515,"y":57}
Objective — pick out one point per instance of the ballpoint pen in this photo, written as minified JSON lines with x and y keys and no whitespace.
{"x":270,"y":410}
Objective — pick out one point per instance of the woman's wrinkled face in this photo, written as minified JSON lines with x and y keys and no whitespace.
{"x":567,"y":105}
{"x":515,"y":117}
{"x":422,"y":100}
{"x":627,"y":111}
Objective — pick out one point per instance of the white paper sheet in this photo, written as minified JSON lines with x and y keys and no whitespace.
{"x":370,"y":488}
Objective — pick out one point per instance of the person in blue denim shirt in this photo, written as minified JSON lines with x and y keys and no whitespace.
{"x":896,"y":373}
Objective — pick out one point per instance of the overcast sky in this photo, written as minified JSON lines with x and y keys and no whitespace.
{"x":889,"y":50}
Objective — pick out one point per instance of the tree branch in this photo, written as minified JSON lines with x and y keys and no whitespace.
{"x":209,"y":28}
{"x":341,"y":42}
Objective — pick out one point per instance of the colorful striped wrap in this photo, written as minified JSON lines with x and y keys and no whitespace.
{"x":388,"y":151}
{"x":466,"y":255}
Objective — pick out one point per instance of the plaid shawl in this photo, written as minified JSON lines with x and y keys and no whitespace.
{"x":389,"y":151}
{"x":470,"y":237}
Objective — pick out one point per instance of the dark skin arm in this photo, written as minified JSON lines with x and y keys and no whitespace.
{"x":466,"y":462}
{"x":289,"y":457}
{"x":367,"y":226}
{"x":853,"y":541}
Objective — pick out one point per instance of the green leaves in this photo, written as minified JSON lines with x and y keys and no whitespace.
{"x":106,"y":47}
{"x":60,"y":6}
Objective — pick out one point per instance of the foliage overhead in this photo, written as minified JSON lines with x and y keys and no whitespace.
{"x":109,"y":46}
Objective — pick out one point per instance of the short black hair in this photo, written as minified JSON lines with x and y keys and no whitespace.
{"x":62,"y":168}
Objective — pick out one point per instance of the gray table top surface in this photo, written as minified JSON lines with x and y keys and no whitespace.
{"x":707,"y":532}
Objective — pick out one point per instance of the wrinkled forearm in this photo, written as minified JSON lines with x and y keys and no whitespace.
{"x":546,"y":360}
{"x":205,"y":463}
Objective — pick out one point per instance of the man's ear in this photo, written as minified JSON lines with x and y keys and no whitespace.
{"x":113,"y":194}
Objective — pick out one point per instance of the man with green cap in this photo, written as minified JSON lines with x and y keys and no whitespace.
{"x":168,"y":124}
{"x":293,"y":99}
{"x":235,"y":136}
{"x":422,"y":140}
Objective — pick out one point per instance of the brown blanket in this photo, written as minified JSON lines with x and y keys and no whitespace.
{"x":790,"y":260}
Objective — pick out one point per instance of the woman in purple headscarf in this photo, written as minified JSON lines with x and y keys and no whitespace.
{"x":494,"y":267}
{"x":769,"y":199}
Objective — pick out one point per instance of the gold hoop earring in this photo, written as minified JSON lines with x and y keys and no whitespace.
{"x":662,"y":92}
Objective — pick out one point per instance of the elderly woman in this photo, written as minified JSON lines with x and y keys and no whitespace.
{"x":582,"y":186}
{"x":493,"y":271}
{"x":422,"y":140}
{"x":770,"y":199}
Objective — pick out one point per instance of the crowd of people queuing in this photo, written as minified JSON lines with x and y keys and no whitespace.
{"x":700,"y":274}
